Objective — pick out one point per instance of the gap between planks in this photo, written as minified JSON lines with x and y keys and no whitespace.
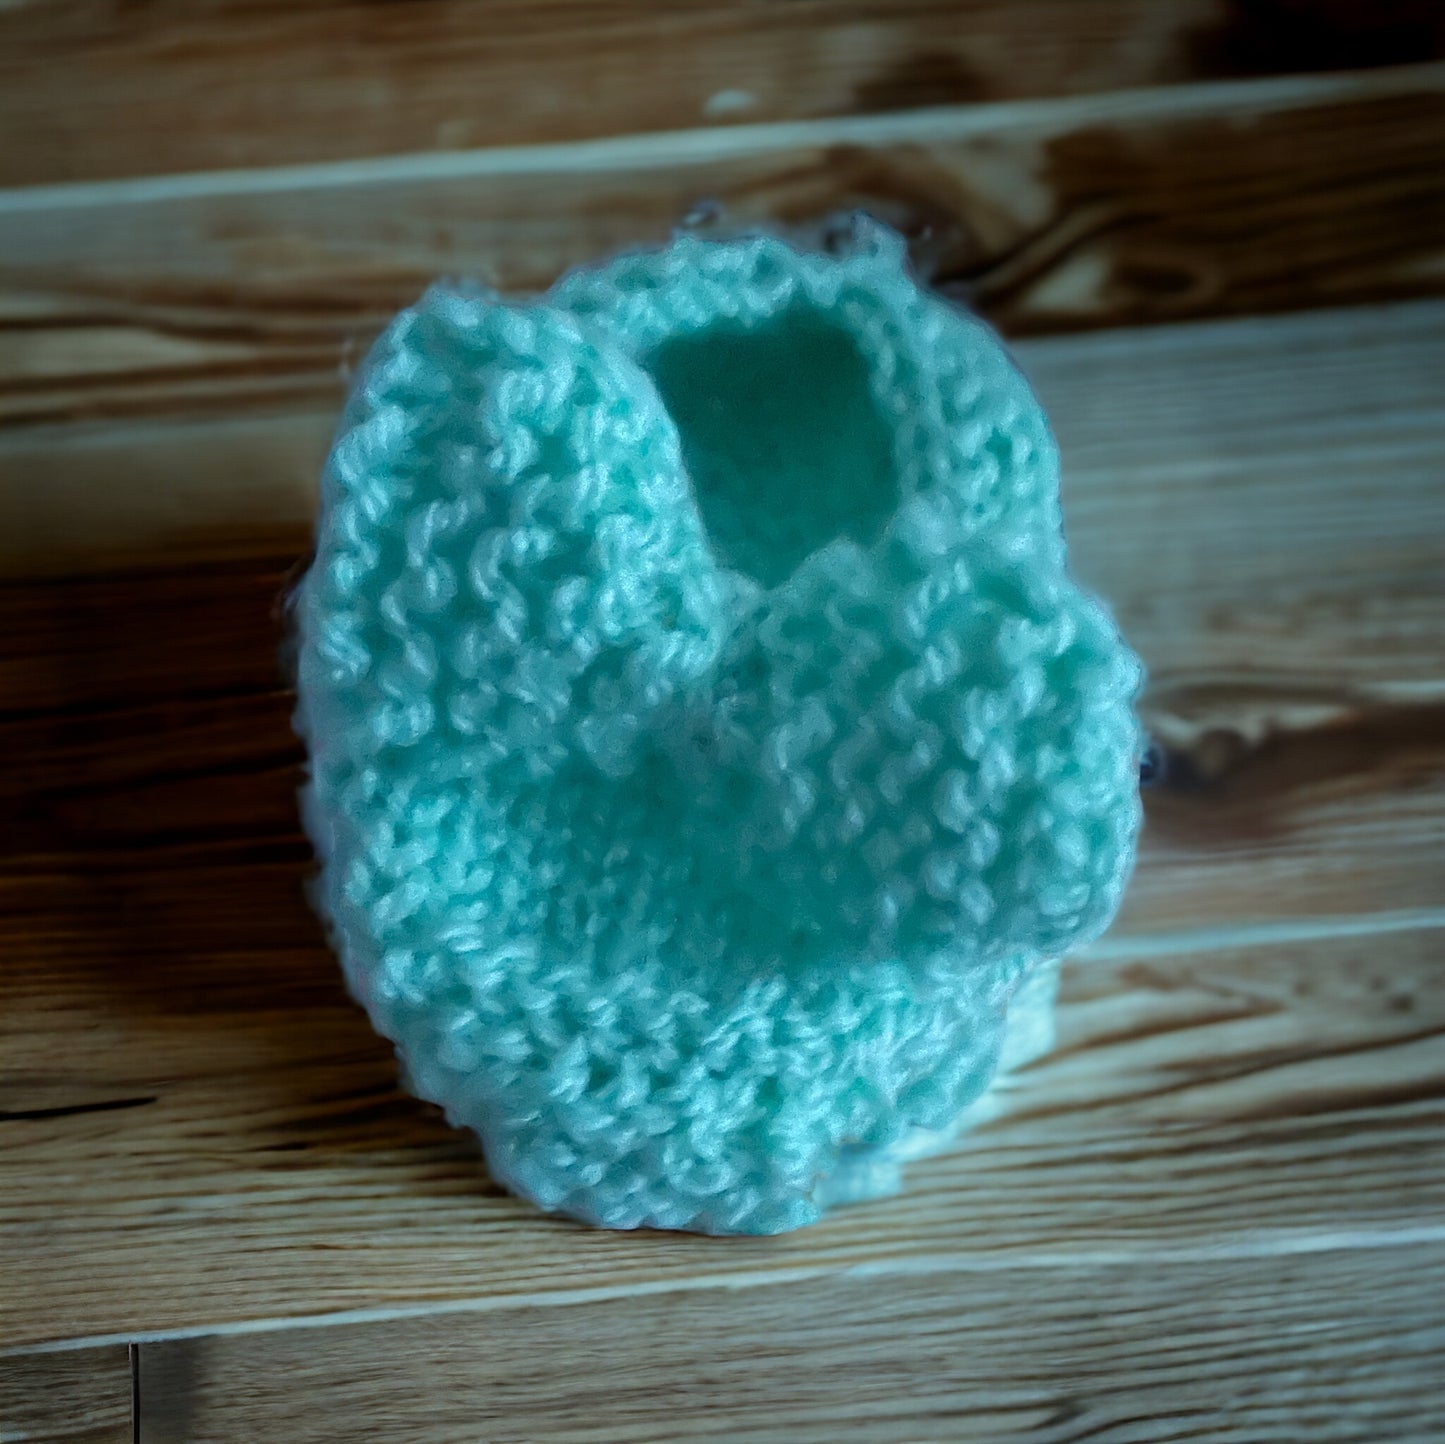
{"x":683,"y":147}
{"x":1240,"y":1249}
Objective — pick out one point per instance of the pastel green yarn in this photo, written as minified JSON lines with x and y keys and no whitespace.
{"x":706,"y":740}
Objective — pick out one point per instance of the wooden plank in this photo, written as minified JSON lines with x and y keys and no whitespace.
{"x":1338,"y":820}
{"x":86,"y":94}
{"x":221,"y":296}
{"x":76,"y":644}
{"x":1333,"y":1347}
{"x":1326,"y":428}
{"x":76,"y":1396}
{"x":1260,"y":501}
{"x":1298,"y":660}
{"x":1268,"y":814}
{"x":225,"y":1112}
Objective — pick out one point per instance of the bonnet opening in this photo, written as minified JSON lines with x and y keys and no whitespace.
{"x":783,"y":439}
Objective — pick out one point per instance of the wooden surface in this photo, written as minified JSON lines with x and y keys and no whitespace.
{"x":1217,"y":232}
{"x":1065,"y":1352}
{"x":81,"y":1396}
{"x":238,"y":1120}
{"x":238,"y":292}
{"x":89,"y":89}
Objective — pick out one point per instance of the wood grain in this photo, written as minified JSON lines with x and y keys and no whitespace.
{"x":1214,"y":1210}
{"x":229,"y":297}
{"x":186,"y":815}
{"x":1329,"y":1347}
{"x":89,"y":91}
{"x":1326,"y":429}
{"x":79,"y":1396}
{"x":214,"y":1130}
{"x":1298,"y":661}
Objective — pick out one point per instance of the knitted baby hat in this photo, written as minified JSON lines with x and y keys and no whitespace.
{"x":706,"y":741}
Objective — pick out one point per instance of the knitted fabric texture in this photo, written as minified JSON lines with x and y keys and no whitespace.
{"x":706,"y":740}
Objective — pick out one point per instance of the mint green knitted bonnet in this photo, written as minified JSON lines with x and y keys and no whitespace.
{"x":706,"y":740}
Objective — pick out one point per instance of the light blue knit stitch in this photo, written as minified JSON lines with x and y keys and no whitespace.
{"x":706,"y":740}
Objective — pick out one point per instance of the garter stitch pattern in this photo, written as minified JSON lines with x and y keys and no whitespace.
{"x":706,"y":740}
